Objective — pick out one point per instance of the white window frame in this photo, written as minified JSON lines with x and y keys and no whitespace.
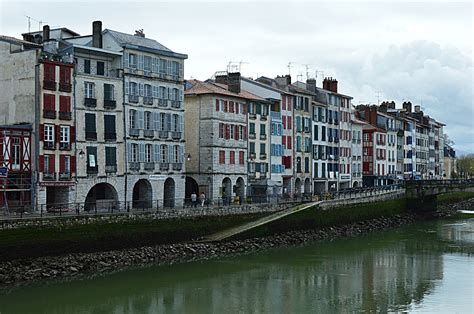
{"x":134,"y":152}
{"x":67,"y":164}
{"x":132,"y":118}
{"x":132,"y":60}
{"x":89,"y":90}
{"x":133,"y":88}
{"x":64,"y":134}
{"x":163,"y":153}
{"x":148,"y":122}
{"x":49,"y":133}
{"x":148,"y":153}
{"x":16,"y":153}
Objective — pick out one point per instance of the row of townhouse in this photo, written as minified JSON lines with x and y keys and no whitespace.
{"x":105,"y":115}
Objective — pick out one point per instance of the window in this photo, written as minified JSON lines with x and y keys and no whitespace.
{"x":49,"y":133}
{"x":148,"y":90}
{"x":316,"y":128}
{"x":134,"y":152}
{"x":132,"y":119}
{"x":109,"y":92}
{"x":241,"y":157}
{"x":65,"y":164}
{"x":175,"y":68}
{"x":87,"y":66}
{"x":100,"y":68}
{"x":148,"y":121}
{"x":110,"y":156}
{"x":176,"y":123}
{"x":64,"y":104}
{"x":46,"y":161}
{"x":132,"y":60}
{"x":262,"y":129}
{"x":252,"y":148}
{"x":163,"y":66}
{"x":91,"y":159}
{"x":222,"y":157}
{"x":252,"y":128}
{"x":109,"y":127}
{"x":148,"y":64}
{"x":133,"y":88}
{"x":262,"y":148}
{"x":176,"y":153}
{"x":289,"y":143}
{"x":232,"y":157}
{"x":148,"y":153}
{"x":16,"y":153}
{"x":65,"y":75}
{"x":164,"y":153}
{"x":49,"y":102}
{"x":64,"y":134}
{"x":49,"y":72}
{"x":89,"y":90}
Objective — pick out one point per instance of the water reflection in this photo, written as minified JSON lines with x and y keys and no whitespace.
{"x":390,"y":271}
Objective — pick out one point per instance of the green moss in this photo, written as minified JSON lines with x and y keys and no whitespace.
{"x":454,"y":196}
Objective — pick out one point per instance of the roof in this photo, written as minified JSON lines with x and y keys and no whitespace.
{"x":64,"y":29}
{"x":265,"y":86}
{"x":98,"y":50}
{"x":357,"y":121}
{"x":368,"y":126}
{"x":201,"y":88}
{"x":17,"y":41}
{"x":123,"y":38}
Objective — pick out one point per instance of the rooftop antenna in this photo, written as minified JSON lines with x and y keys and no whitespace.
{"x":307,"y":70}
{"x":316,"y":75}
{"x":240,"y":65}
{"x":299,"y":76}
{"x":40,"y":23}
{"x":289,"y":67}
{"x":378,"y":97}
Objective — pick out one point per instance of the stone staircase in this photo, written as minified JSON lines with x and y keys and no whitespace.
{"x":225,"y":234}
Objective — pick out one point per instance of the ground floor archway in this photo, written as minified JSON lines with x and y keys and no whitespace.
{"x":169,"y":193}
{"x":190,"y":186}
{"x":307,"y":187}
{"x":226,"y":190}
{"x":142,"y":194}
{"x":298,"y":187}
{"x":355,"y":184}
{"x":101,"y":197}
{"x":240,"y":189}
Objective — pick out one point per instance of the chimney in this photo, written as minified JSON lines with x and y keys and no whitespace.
{"x":383,"y":107}
{"x":221,"y":78}
{"x":233,"y":81}
{"x":140,"y":33}
{"x":29,"y":37}
{"x":417,"y":108}
{"x":330,"y":84}
{"x":391,"y":105}
{"x":311,"y":85}
{"x":46,"y":33}
{"x":97,"y":34}
{"x":407,"y":106}
{"x":283,"y":81}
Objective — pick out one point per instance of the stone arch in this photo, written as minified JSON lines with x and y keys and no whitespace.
{"x":297,"y":187}
{"x":169,"y":193}
{"x":142,"y":194}
{"x":240,"y":189}
{"x":307,"y":186}
{"x":355,"y":184}
{"x":226,"y":190}
{"x":101,"y":197}
{"x":191,"y":186}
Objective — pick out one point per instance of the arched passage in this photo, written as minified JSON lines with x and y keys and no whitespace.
{"x":168,"y":193}
{"x":101,"y":196}
{"x":307,"y":187}
{"x":190,"y":186}
{"x":355,"y":184}
{"x":226,"y":190}
{"x":240,"y":189}
{"x":142,"y":194}
{"x":297,"y":187}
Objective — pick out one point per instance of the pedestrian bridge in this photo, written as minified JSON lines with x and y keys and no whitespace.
{"x":425,"y":188}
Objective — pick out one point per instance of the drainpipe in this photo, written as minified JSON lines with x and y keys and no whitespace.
{"x":124,"y":129}
{"x":74,"y":82}
{"x":35,"y":131}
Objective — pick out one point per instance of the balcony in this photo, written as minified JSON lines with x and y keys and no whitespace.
{"x":163,"y":102}
{"x":147,"y":100}
{"x":133,"y":99}
{"x":252,"y":116}
{"x":263,"y":117}
{"x":110,"y":168}
{"x":336,"y":140}
{"x":49,"y":145}
{"x":49,"y":85}
{"x":177,"y":166}
{"x":164,"y":166}
{"x":110,"y":104}
{"x":49,"y":176}
{"x":336,"y":122}
{"x":163,"y":134}
{"x":134,"y":166}
{"x":134,"y":132}
{"x":65,"y":87}
{"x":92,"y":170}
{"x":176,"y":135}
{"x":263,"y":137}
{"x":252,"y":136}
{"x":91,"y":136}
{"x":49,"y":114}
{"x":110,"y":137}
{"x":149,"y":166}
{"x":64,"y":176}
{"x":90,"y":102}
{"x":330,"y":139}
{"x":175,"y":104}
{"x":148,"y":133}
{"x":65,"y":115}
{"x":263,"y":156}
{"x":64,"y":146}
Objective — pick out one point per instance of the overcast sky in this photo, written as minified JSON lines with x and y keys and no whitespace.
{"x":418,"y":51}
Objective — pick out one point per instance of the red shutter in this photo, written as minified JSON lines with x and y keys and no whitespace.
{"x":283,"y":141}
{"x":227,"y":131}
{"x":245,"y":133}
{"x":41,"y":163}
{"x":237,"y":107}
{"x":73,"y":164}
{"x":72,"y":134}
{"x":217,"y":104}
{"x":52,"y":164}
{"x":58,"y":132}
{"x":41,"y":132}
{"x":64,"y":104}
{"x":61,"y":163}
{"x":225,"y":106}
{"x":236,"y":132}
{"x":244,"y":108}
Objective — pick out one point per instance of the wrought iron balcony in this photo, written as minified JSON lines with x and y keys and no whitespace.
{"x":176,"y":135}
{"x":263,"y":137}
{"x":177,"y":166}
{"x":263,"y":117}
{"x":134,"y":166}
{"x":163,"y":134}
{"x":148,"y":133}
{"x":49,"y":145}
{"x":164,"y":166}
{"x":110,"y":168}
{"x":64,"y":146}
{"x":175,"y":104}
{"x":148,"y":100}
{"x":252,"y":136}
{"x":110,"y":104}
{"x":110,"y":137}
{"x":134,"y":132}
{"x":65,"y":87}
{"x":133,"y":98}
{"x":49,"y":85}
{"x":163,"y":102}
{"x":49,"y":176}
{"x":65,"y":115}
{"x":92,"y":170}
{"x":64,"y":176}
{"x":149,"y":166}
{"x":91,"y":136}
{"x":252,"y":116}
{"x":263,"y":156}
{"x":49,"y":114}
{"x":90,"y":102}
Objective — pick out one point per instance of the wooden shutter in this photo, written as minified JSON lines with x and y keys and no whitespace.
{"x":141,"y":88}
{"x":127,"y":88}
{"x":52,"y":164}
{"x":169,"y":67}
{"x":58,"y":133}
{"x":217,"y":105}
{"x":244,"y":108}
{"x":168,"y":121}
{"x":181,"y":123}
{"x":41,"y":163}
{"x":72,"y":134}
{"x":140,"y":119}
{"x":41,"y":132}
{"x":129,"y":152}
{"x":73,"y":164}
{"x":141,"y":152}
{"x":61,"y":163}
{"x":237,"y":105}
{"x":225,"y":106}
{"x":157,"y":152}
{"x":245,"y":132}
{"x":236,"y":132}
{"x":181,"y":70}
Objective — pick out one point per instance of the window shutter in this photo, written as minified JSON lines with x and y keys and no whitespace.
{"x":237,"y":107}
{"x":169,"y":68}
{"x":72,"y":134}
{"x":225,"y":106}
{"x":58,"y":133}
{"x":127,"y":88}
{"x":125,"y":60}
{"x":140,"y":120}
{"x":245,"y":132}
{"x":157,"y":152}
{"x":181,"y":153}
{"x":52,"y":163}
{"x":141,"y":152}
{"x":153,"y":64}
{"x":41,"y":163}
{"x":141,"y":89}
{"x":129,"y":152}
{"x":181,"y":124}
{"x":141,"y":61}
{"x":61,"y":163}
{"x":73,"y":164}
{"x":181,"y":95}
{"x":168,"y":121}
{"x":173,"y":126}
{"x":41,"y":132}
{"x":217,"y":104}
{"x":181,"y":70}
{"x":244,"y":108}
{"x":168,"y":93}
{"x":156,"y":121}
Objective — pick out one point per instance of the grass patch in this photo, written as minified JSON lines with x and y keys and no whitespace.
{"x":454,"y":196}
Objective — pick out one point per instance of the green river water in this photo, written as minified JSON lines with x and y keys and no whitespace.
{"x":423,"y":268}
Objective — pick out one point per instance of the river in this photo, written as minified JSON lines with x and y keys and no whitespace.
{"x":426,"y":267}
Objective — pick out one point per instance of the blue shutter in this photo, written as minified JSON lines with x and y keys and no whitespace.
{"x":141,"y":152}
{"x":169,"y":70}
{"x":156,"y":152}
{"x":156,"y":120}
{"x":170,"y":153}
{"x":127,"y":88}
{"x":181,"y":124}
{"x":129,"y":152}
{"x":141,"y":120}
{"x":168,"y":121}
{"x":181,"y":70}
{"x":141,"y":89}
{"x":141,"y":62}
{"x":181,"y":153}
{"x":125,"y":60}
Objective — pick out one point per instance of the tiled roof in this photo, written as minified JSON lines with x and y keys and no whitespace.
{"x":17,"y":41}
{"x":200,"y":88}
{"x":123,"y":39}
